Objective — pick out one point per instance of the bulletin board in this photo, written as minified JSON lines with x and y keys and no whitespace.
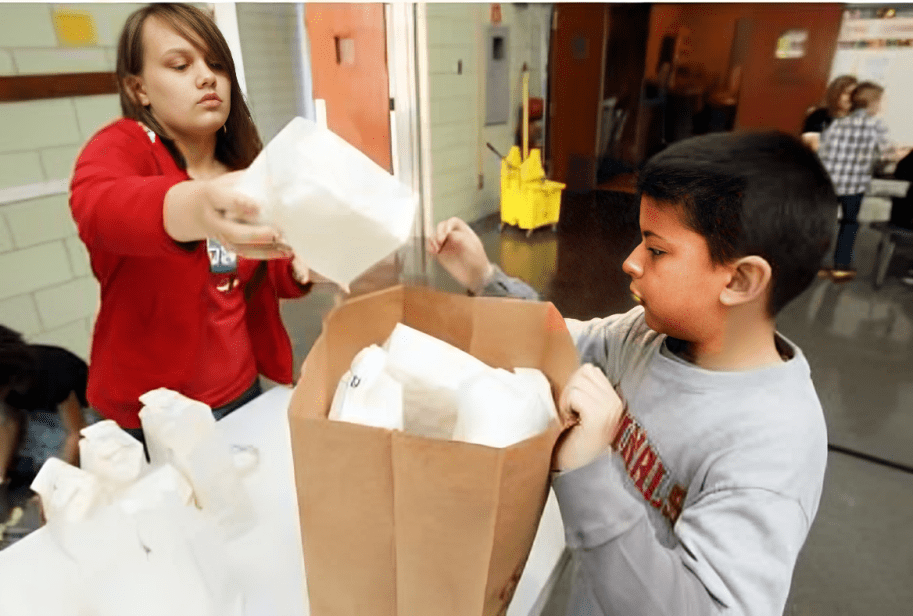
{"x":881,"y":50}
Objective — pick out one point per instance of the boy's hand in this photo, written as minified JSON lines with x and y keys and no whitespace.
{"x":460,"y":251}
{"x":590,"y":401}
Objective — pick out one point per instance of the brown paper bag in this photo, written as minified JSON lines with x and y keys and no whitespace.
{"x":395,"y":524}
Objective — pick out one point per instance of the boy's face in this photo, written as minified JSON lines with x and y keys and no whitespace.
{"x":673,"y":277}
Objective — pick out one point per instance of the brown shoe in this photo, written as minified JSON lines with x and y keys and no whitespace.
{"x":843,"y":275}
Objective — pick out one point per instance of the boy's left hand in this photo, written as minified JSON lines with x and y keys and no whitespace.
{"x":590,"y":401}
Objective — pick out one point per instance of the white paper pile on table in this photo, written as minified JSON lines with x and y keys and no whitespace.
{"x":152,"y":535}
{"x":424,"y":386}
{"x":339,"y":211}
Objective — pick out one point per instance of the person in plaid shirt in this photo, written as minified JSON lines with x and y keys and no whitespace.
{"x":849,"y":149}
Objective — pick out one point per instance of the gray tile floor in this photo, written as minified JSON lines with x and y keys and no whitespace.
{"x":859,"y":341}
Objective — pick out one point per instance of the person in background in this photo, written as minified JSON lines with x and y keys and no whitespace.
{"x":42,"y":409}
{"x":837,"y":103}
{"x":902,"y":207}
{"x":694,"y":466}
{"x":850,"y":147}
{"x":189,"y":282}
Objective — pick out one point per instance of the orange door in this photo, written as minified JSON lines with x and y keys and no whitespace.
{"x":777,"y":92}
{"x":349,"y":70}
{"x":575,"y":96}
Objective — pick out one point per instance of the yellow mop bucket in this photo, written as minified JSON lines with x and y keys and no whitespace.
{"x":528,"y":199}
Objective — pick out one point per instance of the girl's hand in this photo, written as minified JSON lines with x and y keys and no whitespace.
{"x":198,"y":209}
{"x":460,"y":251}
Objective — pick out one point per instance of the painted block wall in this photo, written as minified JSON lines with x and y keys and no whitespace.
{"x":47,"y":291}
{"x":456,"y":35}
{"x":272,"y":64}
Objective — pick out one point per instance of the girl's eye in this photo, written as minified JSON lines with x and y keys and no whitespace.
{"x":656,"y":252}
{"x":179,"y":67}
{"x":216,"y":66}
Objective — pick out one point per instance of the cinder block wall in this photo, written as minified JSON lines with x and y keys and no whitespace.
{"x":456,"y":33}
{"x":46,"y":288}
{"x":272,"y":64}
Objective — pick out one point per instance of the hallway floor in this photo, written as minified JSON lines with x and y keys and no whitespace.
{"x":859,"y":341}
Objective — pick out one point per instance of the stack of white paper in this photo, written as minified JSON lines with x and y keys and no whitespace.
{"x":111,"y":454}
{"x":315,"y":188}
{"x":152,"y":536}
{"x":367,"y":394}
{"x":182,"y":432}
{"x":424,"y":386}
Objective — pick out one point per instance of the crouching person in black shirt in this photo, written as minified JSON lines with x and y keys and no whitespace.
{"x":42,"y":401}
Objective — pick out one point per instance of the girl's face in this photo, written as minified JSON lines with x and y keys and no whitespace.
{"x":844,"y":103}
{"x":188,"y":92}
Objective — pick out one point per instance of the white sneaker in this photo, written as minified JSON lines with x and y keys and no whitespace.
{"x":908,"y":279}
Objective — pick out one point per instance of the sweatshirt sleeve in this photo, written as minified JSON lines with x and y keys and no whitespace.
{"x":736,"y":551}
{"x":283,"y":279}
{"x":117,"y":195}
{"x":500,"y":284}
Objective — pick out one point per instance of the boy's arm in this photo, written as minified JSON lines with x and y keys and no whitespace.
{"x":736,"y":552}
{"x":459,"y":250}
{"x":71,"y":417}
{"x":736,"y":544}
{"x":884,"y":148}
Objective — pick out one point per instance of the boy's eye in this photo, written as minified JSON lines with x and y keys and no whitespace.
{"x":656,"y":252}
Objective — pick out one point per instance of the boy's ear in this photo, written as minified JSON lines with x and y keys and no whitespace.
{"x":136,"y":90}
{"x":750,"y":280}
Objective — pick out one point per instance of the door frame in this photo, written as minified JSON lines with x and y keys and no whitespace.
{"x":403,"y":60}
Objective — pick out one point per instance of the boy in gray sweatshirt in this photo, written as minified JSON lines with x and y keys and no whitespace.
{"x":693,"y":471}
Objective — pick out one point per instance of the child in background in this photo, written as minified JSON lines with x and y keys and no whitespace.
{"x":693,"y":471}
{"x":42,"y":409}
{"x":837,"y":104}
{"x":849,"y":149}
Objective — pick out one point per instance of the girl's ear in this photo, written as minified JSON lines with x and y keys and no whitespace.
{"x":136,"y":90}
{"x":751,"y":277}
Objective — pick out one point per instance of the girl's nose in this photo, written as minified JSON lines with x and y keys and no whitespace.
{"x":205,"y":75}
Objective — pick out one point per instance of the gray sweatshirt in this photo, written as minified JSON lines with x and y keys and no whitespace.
{"x":712,"y":484}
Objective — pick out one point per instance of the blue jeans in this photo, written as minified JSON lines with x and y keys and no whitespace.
{"x":849,"y":225}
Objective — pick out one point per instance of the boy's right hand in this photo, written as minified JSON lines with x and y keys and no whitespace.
{"x":593,"y":408}
{"x":460,"y":251}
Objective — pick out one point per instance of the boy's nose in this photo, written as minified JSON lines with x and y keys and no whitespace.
{"x":632,"y":266}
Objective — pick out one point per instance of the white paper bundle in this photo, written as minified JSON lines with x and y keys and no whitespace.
{"x":339,"y":211}
{"x":67,"y":493}
{"x":111,"y":454}
{"x":172,"y":563}
{"x":80,"y":518}
{"x":430,"y":371}
{"x":424,"y":386}
{"x":499,"y":408}
{"x":163,"y":486}
{"x":173,"y":425}
{"x":181,"y":431}
{"x":367,"y":394}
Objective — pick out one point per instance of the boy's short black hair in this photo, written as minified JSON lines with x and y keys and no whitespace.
{"x":761,"y":193}
{"x":16,"y":359}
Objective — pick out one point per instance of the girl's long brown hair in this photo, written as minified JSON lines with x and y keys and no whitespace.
{"x":832,"y":96}
{"x":239,"y":143}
